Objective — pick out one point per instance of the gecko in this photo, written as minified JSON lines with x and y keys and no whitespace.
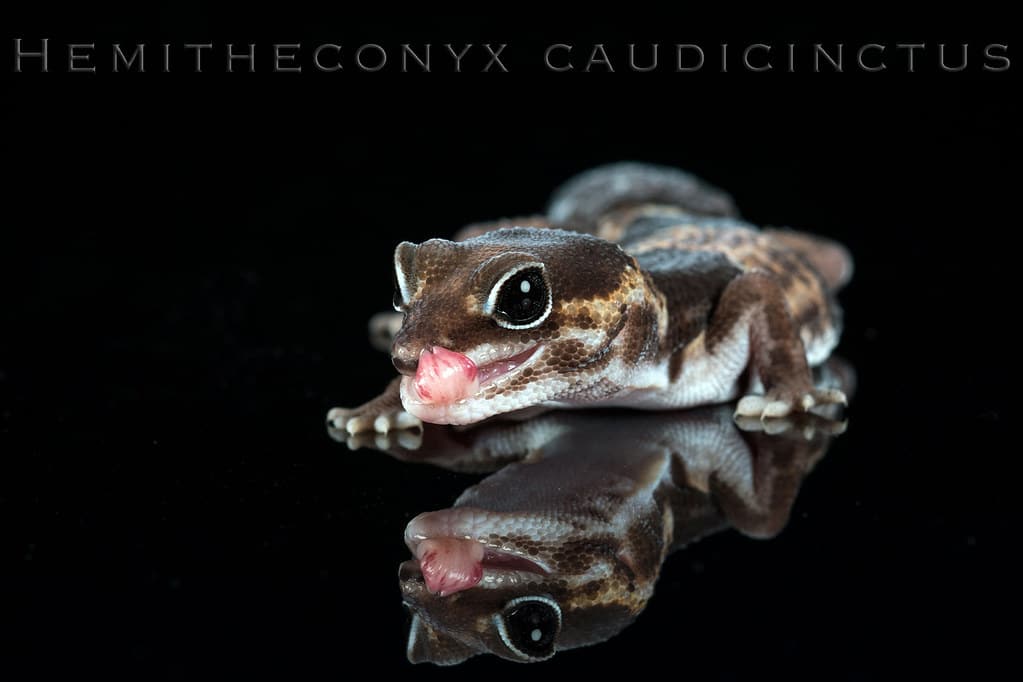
{"x":562,"y":547}
{"x":640,"y":287}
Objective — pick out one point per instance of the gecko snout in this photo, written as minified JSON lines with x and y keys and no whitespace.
{"x":405,"y":360}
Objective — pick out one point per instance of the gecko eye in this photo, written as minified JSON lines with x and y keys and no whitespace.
{"x":529,"y":626}
{"x":521,"y":299}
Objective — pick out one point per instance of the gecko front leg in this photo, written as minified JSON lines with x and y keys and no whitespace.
{"x":754,"y":304}
{"x":383,"y":327}
{"x":382,"y":414}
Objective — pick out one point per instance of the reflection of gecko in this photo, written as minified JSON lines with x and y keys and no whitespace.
{"x":659,"y":299}
{"x":563,"y":548}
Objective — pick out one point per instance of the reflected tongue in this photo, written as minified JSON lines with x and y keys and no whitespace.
{"x":450,"y":565}
{"x":444,"y":376}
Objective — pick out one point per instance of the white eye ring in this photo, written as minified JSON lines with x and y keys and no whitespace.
{"x":502,"y":629}
{"x":399,"y":275}
{"x":491,"y":303}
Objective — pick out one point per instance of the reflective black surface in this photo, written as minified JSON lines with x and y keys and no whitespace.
{"x":188,"y":264}
{"x":582,"y":512}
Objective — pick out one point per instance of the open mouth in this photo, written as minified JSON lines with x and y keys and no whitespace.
{"x":444,"y":377}
{"x":452,"y":558}
{"x":496,"y":560}
{"x":450,"y":564}
{"x":492,"y":371}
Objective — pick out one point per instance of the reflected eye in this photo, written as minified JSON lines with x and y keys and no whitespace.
{"x":521,"y":299}
{"x":529,"y":626}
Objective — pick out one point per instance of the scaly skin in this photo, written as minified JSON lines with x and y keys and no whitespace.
{"x":658,"y":298}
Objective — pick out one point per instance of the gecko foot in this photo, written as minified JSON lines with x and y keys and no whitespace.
{"x":775,"y":405}
{"x":405,"y":439}
{"x":363,"y":419}
{"x":807,"y":425}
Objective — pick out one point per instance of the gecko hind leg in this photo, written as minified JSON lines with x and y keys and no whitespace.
{"x":777,"y":356}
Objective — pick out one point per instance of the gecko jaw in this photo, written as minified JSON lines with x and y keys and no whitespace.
{"x":454,"y":564}
{"x":492,"y":371}
{"x":447,"y":386}
{"x":454,"y":552}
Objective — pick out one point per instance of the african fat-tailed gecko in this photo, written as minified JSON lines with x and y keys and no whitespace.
{"x":639,"y":288}
{"x":563,"y":547}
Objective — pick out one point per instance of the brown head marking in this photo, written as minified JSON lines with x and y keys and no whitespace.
{"x":501,"y":295}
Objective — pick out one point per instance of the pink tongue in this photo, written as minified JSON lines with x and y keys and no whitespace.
{"x":450,"y":565}
{"x":444,"y":376}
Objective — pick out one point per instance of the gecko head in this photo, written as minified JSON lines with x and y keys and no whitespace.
{"x":505,"y":584}
{"x":511,"y":319}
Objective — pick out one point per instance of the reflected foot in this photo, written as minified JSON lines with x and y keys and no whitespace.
{"x":403,"y":439}
{"x":809,"y":425}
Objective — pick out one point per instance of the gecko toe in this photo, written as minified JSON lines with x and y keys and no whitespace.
{"x":363,"y":439}
{"x":352,"y":422}
{"x":382,"y":424}
{"x":776,"y":408}
{"x":396,"y":420}
{"x":837,"y":428}
{"x":406,"y":420}
{"x":410,"y":439}
{"x":396,"y":438}
{"x":748,"y":423}
{"x":751,"y":406}
{"x":404,"y":439}
{"x":777,"y":426}
{"x":830,"y":396}
{"x":337,"y":417}
{"x":359,"y":423}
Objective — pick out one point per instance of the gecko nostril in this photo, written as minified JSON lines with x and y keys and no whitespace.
{"x":405,"y":363}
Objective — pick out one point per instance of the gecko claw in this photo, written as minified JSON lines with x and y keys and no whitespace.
{"x":831,"y":396}
{"x":399,"y":420}
{"x":773,"y":406}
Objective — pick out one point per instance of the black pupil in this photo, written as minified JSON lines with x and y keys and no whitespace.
{"x":523,"y":297}
{"x":532,"y":626}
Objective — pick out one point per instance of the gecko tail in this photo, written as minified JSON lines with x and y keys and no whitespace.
{"x":581,"y":201}
{"x":831,"y":260}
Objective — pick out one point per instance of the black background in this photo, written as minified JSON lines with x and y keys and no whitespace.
{"x":189,"y":261}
